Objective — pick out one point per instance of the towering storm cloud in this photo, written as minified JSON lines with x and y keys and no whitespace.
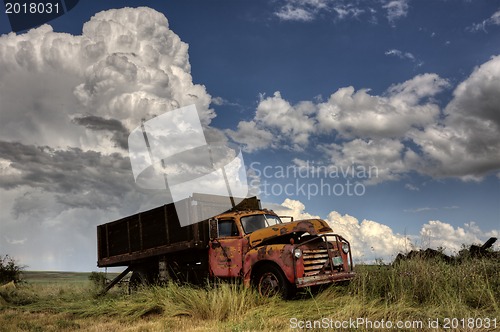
{"x":85,"y":91}
{"x":67,"y":106}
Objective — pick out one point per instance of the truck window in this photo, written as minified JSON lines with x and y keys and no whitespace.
{"x":228,"y":228}
{"x":252,"y":223}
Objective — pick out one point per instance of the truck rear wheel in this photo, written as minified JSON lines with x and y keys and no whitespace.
{"x":271,"y":281}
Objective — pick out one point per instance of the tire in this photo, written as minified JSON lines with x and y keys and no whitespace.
{"x":271,"y":281}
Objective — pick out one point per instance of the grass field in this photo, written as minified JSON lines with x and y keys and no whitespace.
{"x":41,"y":277}
{"x":415,"y":293}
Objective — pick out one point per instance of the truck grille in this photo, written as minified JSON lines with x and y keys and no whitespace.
{"x":316,"y":261}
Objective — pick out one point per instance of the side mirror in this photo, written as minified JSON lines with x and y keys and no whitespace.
{"x":213,"y":229}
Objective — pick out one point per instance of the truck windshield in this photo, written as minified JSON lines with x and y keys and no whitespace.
{"x":252,"y":223}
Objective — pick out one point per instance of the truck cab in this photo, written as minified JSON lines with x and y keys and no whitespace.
{"x":276,"y":256}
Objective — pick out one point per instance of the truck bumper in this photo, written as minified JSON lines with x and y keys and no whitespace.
{"x":324,"y":279}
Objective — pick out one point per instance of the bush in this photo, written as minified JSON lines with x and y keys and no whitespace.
{"x":98,"y":279}
{"x":9,"y":270}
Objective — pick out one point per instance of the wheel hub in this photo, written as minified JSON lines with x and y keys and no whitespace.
{"x":269,"y":284}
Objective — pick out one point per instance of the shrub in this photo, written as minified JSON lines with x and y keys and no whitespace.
{"x":9,"y":270}
{"x":98,"y":279}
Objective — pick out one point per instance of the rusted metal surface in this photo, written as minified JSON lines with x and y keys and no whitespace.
{"x":225,"y":257}
{"x":277,"y":253}
{"x":323,"y":260}
{"x":324,"y":278}
{"x":311,"y":226}
{"x":320,"y":262}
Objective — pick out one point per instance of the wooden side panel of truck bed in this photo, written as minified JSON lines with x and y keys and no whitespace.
{"x":146,"y":234}
{"x":156,"y":232}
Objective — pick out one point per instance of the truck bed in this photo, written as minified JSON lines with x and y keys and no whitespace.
{"x":156,"y":232}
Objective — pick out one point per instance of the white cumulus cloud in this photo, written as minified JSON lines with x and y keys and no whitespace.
{"x":396,"y":9}
{"x":370,"y":130}
{"x":436,"y":233}
{"x":127,"y":65}
{"x":253,"y":137}
{"x":400,"y":131}
{"x":404,"y":56}
{"x":467,"y":143}
{"x":494,"y":19}
{"x":277,"y":120}
{"x":371,"y":240}
{"x":309,"y":10}
{"x":290,"y":13}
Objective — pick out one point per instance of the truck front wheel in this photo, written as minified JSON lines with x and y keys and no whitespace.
{"x":270,"y":281}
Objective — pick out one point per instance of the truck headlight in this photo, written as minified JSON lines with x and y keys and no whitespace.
{"x":345,"y":248}
{"x":297,"y":253}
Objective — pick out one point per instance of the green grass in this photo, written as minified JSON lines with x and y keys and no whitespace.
{"x":58,"y":277}
{"x":414,"y":290}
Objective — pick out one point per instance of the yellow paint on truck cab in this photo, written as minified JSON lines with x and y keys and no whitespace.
{"x":311,"y":226}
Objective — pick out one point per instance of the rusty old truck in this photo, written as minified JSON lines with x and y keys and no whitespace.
{"x":246,"y":243}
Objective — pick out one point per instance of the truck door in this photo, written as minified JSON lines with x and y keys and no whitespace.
{"x":225,"y":250}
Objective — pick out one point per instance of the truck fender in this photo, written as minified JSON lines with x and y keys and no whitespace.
{"x":279,"y":254}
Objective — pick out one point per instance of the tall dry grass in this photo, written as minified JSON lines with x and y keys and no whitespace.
{"x":413,"y":290}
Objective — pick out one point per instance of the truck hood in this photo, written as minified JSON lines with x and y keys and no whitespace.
{"x":311,"y":226}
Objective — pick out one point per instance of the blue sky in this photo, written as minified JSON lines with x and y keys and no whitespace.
{"x":416,"y":86}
